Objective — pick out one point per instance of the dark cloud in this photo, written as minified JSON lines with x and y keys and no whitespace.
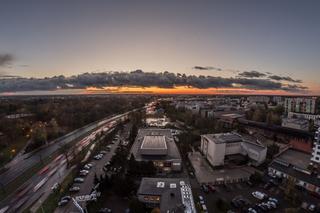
{"x":295,"y":88}
{"x":207,"y":68}
{"x":5,"y":59}
{"x":251,"y":74}
{"x":281,"y":78}
{"x":139,"y":78}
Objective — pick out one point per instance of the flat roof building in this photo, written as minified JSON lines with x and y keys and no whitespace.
{"x":216,"y":147}
{"x":294,"y":164}
{"x":169,"y":194}
{"x":158,"y":146}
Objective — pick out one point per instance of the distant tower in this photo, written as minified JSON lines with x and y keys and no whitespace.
{"x":315,"y":159}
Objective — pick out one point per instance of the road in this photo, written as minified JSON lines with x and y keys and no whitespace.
{"x":55,"y":171}
{"x":87,"y":185}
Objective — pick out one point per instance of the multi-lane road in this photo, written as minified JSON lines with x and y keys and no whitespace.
{"x":40,"y":183}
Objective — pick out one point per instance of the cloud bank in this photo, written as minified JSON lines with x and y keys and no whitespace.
{"x":142,"y":79}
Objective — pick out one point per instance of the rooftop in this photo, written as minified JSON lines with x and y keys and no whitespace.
{"x":155,"y":144}
{"x":175,"y":193}
{"x":295,"y":158}
{"x":224,"y":137}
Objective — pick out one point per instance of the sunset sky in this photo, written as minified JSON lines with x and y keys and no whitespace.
{"x":217,"y":38}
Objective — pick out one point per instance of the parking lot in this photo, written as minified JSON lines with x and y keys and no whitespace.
{"x":236,"y":190}
{"x":206,"y":174}
{"x":243,"y":191}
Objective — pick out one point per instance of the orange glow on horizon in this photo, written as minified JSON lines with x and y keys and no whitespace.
{"x":180,"y":90}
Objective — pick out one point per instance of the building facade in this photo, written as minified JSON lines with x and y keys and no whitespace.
{"x":316,"y":148}
{"x":307,"y":105}
{"x":215,"y":147}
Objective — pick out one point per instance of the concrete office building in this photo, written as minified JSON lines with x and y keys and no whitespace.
{"x":215,"y":147}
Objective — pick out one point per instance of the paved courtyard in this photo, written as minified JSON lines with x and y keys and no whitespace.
{"x":206,"y":174}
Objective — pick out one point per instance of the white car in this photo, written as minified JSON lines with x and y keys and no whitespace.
{"x":55,"y":186}
{"x":259,"y":195}
{"x":98,"y":157}
{"x":251,"y":210}
{"x":84,"y":171}
{"x":78,"y":180}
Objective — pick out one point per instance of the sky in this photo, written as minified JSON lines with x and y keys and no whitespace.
{"x":201,"y":37}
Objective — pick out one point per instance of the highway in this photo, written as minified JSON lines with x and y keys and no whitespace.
{"x":39,"y":184}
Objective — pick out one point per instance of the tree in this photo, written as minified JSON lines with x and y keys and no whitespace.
{"x":256,"y":178}
{"x":156,"y":210}
{"x":136,"y":206}
{"x":64,"y":149}
{"x":39,"y":133}
{"x":53,"y":128}
{"x":291,"y":193}
{"x":221,"y":205}
{"x":272,"y":150}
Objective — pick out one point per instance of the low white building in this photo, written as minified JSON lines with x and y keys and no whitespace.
{"x":295,"y":123}
{"x":215,"y":147}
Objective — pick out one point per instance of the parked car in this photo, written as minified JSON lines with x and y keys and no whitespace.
{"x":211,"y":188}
{"x":103,"y":152}
{"x":201,"y":200}
{"x":64,"y":200}
{"x":98,"y":157}
{"x":312,"y":207}
{"x":88,"y":166}
{"x":105,"y":210}
{"x":251,"y":210}
{"x":204,"y":208}
{"x":78,"y":180}
{"x":249,"y":183}
{"x":259,"y":195}
{"x":55,"y":187}
{"x":205,"y":188}
{"x":74,"y":189}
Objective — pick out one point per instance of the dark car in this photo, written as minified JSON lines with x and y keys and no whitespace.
{"x":211,"y":188}
{"x":235,"y":203}
{"x":249,"y":183}
{"x":105,"y":210}
{"x":267,"y":185}
{"x":205,"y":188}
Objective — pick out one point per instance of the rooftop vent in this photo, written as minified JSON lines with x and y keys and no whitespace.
{"x":160,"y":184}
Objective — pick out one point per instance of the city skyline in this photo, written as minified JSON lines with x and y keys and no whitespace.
{"x":274,"y":43}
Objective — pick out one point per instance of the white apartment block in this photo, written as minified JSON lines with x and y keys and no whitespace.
{"x":301,"y":105}
{"x":316,"y":148}
{"x":295,"y":123}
